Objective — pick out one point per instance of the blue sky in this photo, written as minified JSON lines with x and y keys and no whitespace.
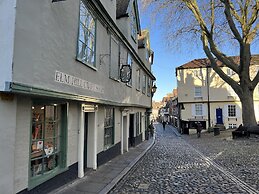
{"x":166,"y":59}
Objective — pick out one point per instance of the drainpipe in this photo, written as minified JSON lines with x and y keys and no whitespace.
{"x":208,"y":93}
{"x":81,"y":145}
{"x":122,"y":134}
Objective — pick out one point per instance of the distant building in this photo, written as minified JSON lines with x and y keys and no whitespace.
{"x":203,"y":96}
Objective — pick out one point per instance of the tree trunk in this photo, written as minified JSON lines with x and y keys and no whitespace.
{"x":248,"y":113}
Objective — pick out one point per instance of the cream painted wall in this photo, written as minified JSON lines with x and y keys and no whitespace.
{"x":42,"y":26}
{"x":100,"y":129}
{"x":117,"y":125}
{"x":219,"y":94}
{"x":22,"y":142}
{"x":74,"y":110}
{"x":110,"y":6}
{"x":7,"y":144}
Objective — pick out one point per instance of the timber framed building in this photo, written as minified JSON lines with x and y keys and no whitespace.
{"x":63,"y":107}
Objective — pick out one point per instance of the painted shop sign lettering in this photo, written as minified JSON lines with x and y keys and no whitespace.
{"x":67,"y":79}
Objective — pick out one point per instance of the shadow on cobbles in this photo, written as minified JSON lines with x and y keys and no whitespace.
{"x":239,"y":156}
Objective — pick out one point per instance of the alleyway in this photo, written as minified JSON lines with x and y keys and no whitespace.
{"x":186,"y":164}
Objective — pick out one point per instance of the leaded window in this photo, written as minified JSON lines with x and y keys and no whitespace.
{"x":108,"y":127}
{"x":86,"y":38}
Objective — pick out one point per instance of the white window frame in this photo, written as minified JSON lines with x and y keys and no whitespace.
{"x":86,"y":43}
{"x":198,"y":109}
{"x":197,"y":91}
{"x":232,"y":111}
{"x":230,"y":72}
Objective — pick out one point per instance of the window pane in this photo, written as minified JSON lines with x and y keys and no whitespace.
{"x":198,"y":109}
{"x":197,"y":92}
{"x":45,"y":138}
{"x":108,"y":127}
{"x":86,"y":38}
{"x":232,"y":110}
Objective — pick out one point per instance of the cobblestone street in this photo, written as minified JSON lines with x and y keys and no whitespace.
{"x":186,"y":164}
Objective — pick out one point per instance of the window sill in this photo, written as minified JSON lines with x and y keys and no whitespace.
{"x":86,"y":64}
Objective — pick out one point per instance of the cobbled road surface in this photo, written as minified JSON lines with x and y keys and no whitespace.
{"x":187,"y":164}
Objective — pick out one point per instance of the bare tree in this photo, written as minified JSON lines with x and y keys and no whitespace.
{"x":218,"y":22}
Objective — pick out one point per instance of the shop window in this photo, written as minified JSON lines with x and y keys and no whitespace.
{"x":108,"y":128}
{"x":46,"y":140}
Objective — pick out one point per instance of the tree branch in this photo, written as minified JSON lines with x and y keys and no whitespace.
{"x":217,"y":69}
{"x":231,"y":23}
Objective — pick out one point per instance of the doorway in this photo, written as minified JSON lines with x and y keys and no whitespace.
{"x":131,"y":131}
{"x":85,"y":139}
{"x":219,"y":116}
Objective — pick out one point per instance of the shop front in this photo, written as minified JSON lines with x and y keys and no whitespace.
{"x":48,"y":141}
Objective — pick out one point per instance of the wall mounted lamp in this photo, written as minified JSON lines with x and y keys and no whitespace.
{"x":153,"y":89}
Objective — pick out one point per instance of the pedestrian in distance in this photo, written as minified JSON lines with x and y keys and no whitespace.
{"x":151,"y":129}
{"x":164,"y":123}
{"x":198,"y":127}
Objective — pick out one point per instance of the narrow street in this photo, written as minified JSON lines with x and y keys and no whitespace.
{"x":186,"y":164}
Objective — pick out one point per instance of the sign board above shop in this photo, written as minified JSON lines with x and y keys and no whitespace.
{"x":89,"y":108}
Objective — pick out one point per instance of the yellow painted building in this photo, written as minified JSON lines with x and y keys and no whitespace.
{"x":203,"y":96}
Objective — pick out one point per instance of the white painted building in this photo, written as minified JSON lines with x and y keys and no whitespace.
{"x":63,"y":107}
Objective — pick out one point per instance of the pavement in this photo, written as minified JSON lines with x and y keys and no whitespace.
{"x":106,"y":176}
